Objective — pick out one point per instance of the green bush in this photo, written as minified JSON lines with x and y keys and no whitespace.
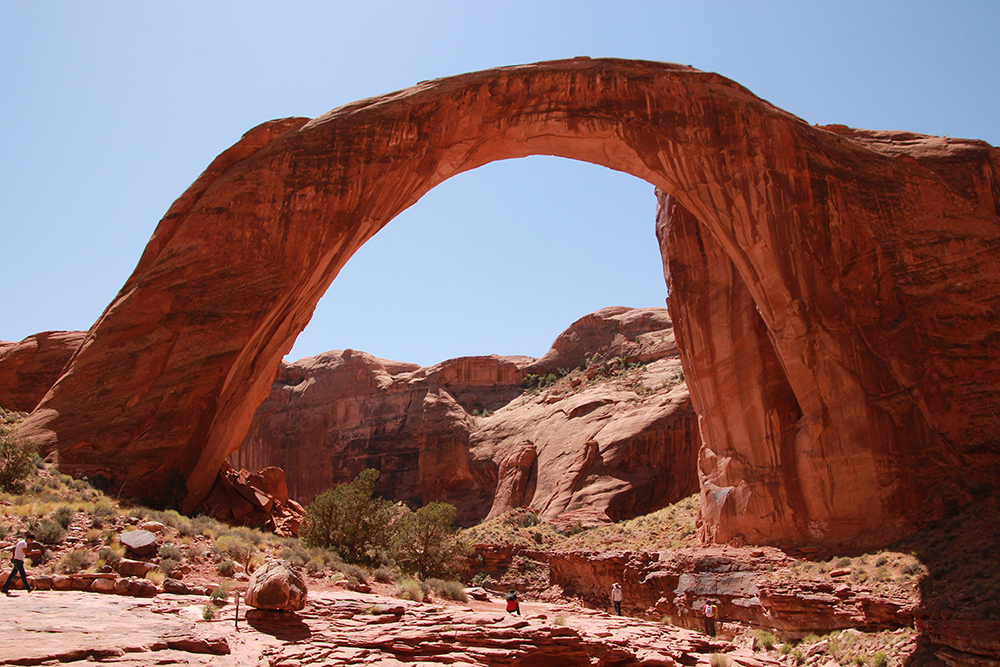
{"x":74,"y":561}
{"x":226,"y":568}
{"x":17,"y":462}
{"x":170,"y":551}
{"x":63,"y":516}
{"x":409,"y":589}
{"x":425,"y":543}
{"x":766,"y":638}
{"x":453,"y":590}
{"x":348,"y":520}
{"x":880,"y":659}
{"x":49,"y":532}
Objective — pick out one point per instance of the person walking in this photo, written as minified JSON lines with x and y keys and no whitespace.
{"x":616,"y":597}
{"x":17,"y":564}
{"x":709,"y":610}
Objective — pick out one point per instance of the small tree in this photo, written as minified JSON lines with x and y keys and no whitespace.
{"x":425,"y":543}
{"x":17,"y":462}
{"x":348,"y":520}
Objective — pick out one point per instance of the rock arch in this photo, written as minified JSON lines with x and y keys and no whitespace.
{"x":808,"y":267}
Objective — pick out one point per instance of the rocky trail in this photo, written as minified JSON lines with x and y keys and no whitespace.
{"x":337,"y":628}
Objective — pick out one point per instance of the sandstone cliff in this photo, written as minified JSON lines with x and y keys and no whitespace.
{"x":465,"y":431}
{"x":29,"y":368}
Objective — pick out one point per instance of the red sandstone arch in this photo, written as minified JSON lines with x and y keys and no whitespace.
{"x":808,"y":270}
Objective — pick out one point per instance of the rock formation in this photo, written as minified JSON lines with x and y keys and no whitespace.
{"x":260,"y":499}
{"x":276,"y":585}
{"x":835,"y":290}
{"x":678,"y":583}
{"x":29,"y":368}
{"x":466,"y":432}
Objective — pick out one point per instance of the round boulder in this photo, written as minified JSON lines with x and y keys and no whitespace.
{"x":276,"y":585}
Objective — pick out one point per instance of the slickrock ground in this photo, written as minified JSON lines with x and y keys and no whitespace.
{"x":337,"y":628}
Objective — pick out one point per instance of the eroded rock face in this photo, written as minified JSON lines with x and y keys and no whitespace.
{"x":29,"y":368}
{"x":678,"y":584}
{"x":852,"y":273}
{"x":465,"y":432}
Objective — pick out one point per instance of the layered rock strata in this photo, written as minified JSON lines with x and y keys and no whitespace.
{"x":835,"y":290}
{"x":466,"y":432}
{"x":677,"y":584}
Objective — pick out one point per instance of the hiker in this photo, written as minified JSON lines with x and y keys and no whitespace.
{"x":616,"y":597}
{"x":513,"y":605}
{"x":710,"y":611}
{"x":17,"y":563}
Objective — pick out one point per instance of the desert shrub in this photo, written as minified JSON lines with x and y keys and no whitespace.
{"x":297,"y":555}
{"x":425,"y":543}
{"x":168,"y":565}
{"x":409,"y":589}
{"x":221,"y":592}
{"x":453,"y":590}
{"x":234,"y":546}
{"x":49,"y":532}
{"x":74,"y":561}
{"x":719,"y":660}
{"x":109,"y":556}
{"x":102,"y":513}
{"x":18,"y":459}
{"x":226,"y":568}
{"x":880,"y":659}
{"x":348,"y":520}
{"x":766,"y":638}
{"x":559,"y":619}
{"x":315,"y":565}
{"x":251,"y":535}
{"x":63,"y":516}
{"x":156,"y":576}
{"x":354,"y":573}
{"x":208,"y":612}
{"x":384,"y":575}
{"x":170,"y":551}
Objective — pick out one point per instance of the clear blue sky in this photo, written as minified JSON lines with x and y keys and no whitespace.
{"x":110,"y":110}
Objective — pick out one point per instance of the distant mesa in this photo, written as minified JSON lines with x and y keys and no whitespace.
{"x":834,"y":292}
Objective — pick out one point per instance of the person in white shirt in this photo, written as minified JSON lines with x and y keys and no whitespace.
{"x":17,"y":563}
{"x":710,"y":612}
{"x":616,"y":597}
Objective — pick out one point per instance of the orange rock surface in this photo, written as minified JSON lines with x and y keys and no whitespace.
{"x":29,"y":368}
{"x":835,"y":291}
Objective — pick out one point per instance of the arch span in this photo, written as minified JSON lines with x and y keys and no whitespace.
{"x":806,"y":267}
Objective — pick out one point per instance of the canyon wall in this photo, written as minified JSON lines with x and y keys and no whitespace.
{"x":622,"y":443}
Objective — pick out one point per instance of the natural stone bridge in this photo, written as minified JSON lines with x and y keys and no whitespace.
{"x":834,"y":291}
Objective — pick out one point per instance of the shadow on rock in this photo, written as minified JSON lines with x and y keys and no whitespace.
{"x":283,"y":625}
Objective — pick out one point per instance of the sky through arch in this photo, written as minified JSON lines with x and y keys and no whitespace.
{"x":496,"y":260}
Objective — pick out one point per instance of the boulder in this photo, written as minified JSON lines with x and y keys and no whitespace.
{"x":139,"y":542}
{"x":276,"y":585}
{"x":133,"y":568}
